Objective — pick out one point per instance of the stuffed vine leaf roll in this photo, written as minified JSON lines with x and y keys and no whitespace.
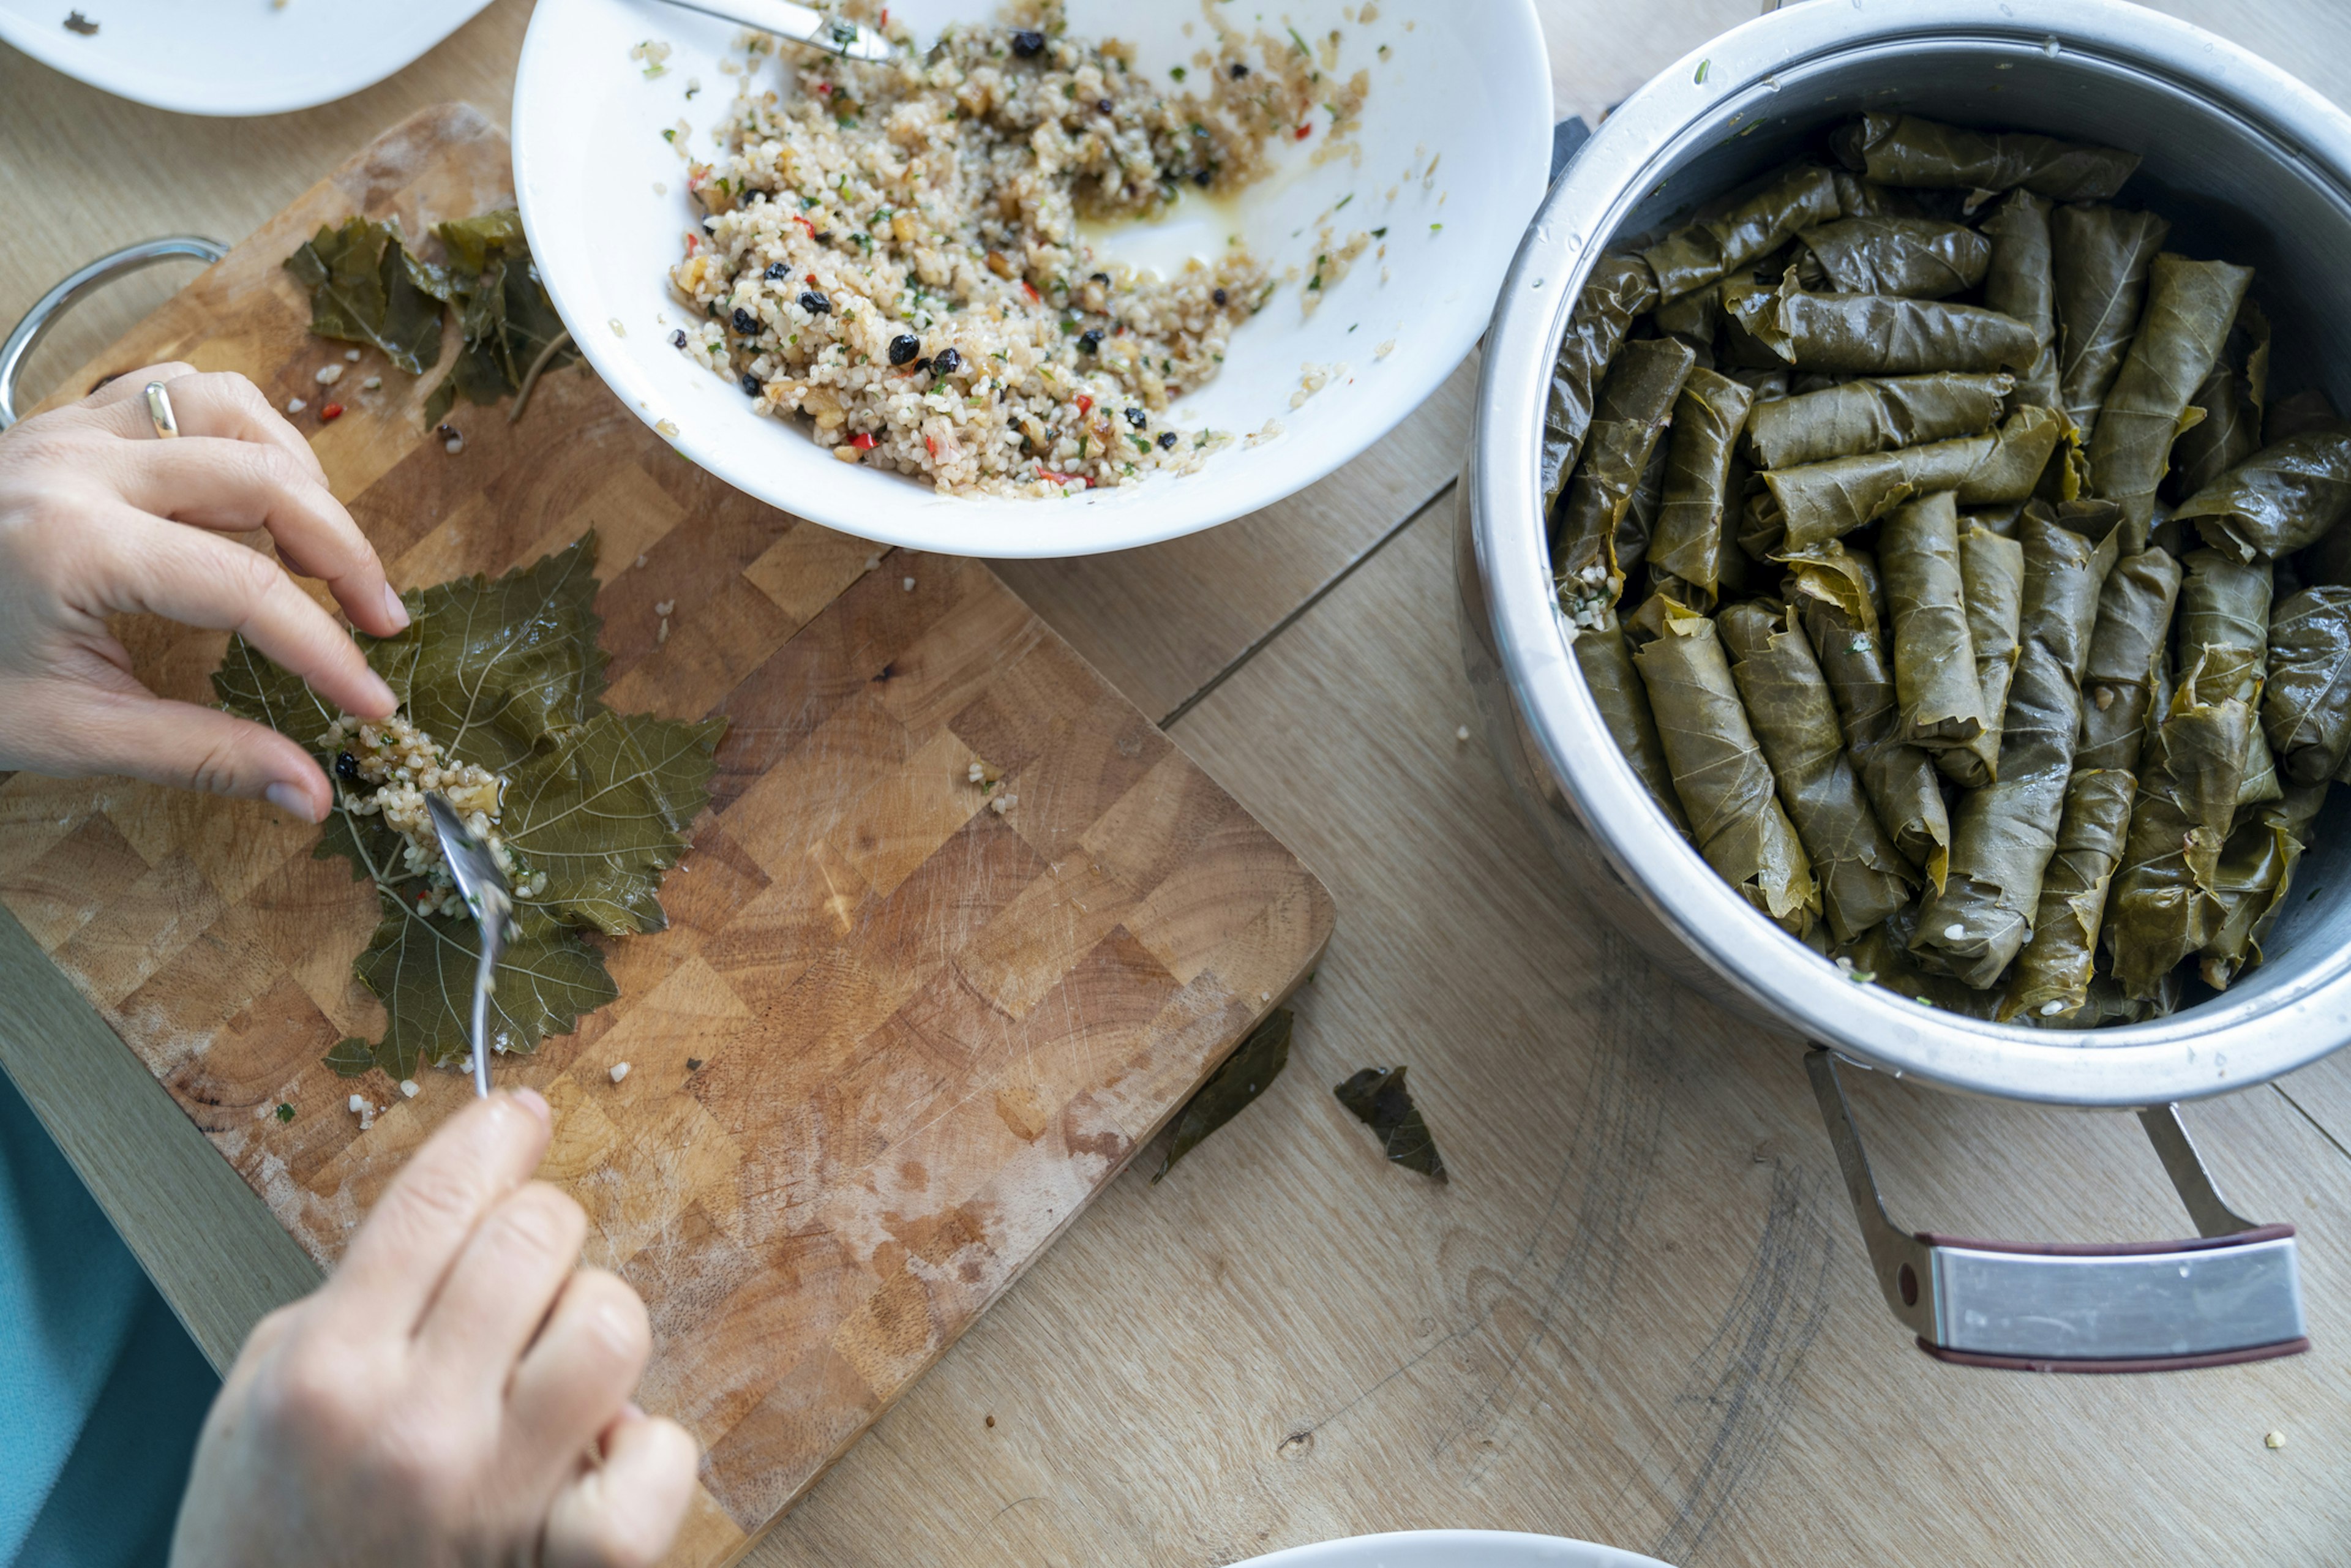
{"x":2306,"y":700}
{"x":2224,"y":622}
{"x":1882,"y":957}
{"x":1687,"y":545}
{"x":2018,"y":283}
{"x":1992,"y":567}
{"x":2250,"y":882}
{"x":2052,"y":975}
{"x":2231,"y":399}
{"x":1619,"y":289}
{"x":1617,"y":691}
{"x":2109,"y":1008}
{"x":2098,"y":261}
{"x":1860,"y":198}
{"x":1940,"y":698}
{"x":2127,"y":652}
{"x":1639,"y":522}
{"x":2279,"y":499}
{"x":1862,"y":876}
{"x":1627,"y":420}
{"x":1904,"y":150}
{"x":1869,"y":334}
{"x":2189,"y":307}
{"x":1822,"y":501}
{"x":1718,"y":769}
{"x":2005,"y":832}
{"x":1898,"y":777}
{"x":1857,"y":417}
{"x":1919,"y":258}
{"x":2165,"y":902}
{"x":1700,"y":253}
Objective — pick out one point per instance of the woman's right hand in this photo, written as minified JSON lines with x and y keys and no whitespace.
{"x":458,"y":1394}
{"x":99,"y":517}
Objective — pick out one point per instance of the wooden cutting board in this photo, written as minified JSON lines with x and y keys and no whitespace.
{"x":893,"y":1041}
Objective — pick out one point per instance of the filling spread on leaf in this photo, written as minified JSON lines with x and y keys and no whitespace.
{"x":500,"y":685}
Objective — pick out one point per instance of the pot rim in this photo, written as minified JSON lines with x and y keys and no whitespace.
{"x":2225,"y":1044}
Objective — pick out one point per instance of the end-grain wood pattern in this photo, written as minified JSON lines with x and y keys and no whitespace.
{"x":893,"y":1039}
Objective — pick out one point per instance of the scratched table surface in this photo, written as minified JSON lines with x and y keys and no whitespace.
{"x":1640,"y":1310}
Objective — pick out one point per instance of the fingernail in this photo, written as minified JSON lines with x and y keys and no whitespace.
{"x":633,"y":1410}
{"x":394,"y":607}
{"x":291,"y":799}
{"x":536,"y":1104}
{"x":387,"y":702}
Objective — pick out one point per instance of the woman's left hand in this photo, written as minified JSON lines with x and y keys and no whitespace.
{"x":99,"y":517}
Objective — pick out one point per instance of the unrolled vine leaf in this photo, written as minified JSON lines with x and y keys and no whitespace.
{"x":505,"y":674}
{"x":1380,"y":1101}
{"x":493,"y":669}
{"x":504,"y":312}
{"x":368,"y":286}
{"x":364,"y":289}
{"x":422,"y":967}
{"x":1244,"y":1075}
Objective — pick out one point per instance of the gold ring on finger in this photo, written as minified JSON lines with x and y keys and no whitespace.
{"x":159,"y":411}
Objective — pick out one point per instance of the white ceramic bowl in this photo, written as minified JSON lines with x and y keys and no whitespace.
{"x":250,"y":58}
{"x":1454,"y":1549}
{"x":1466,"y":86}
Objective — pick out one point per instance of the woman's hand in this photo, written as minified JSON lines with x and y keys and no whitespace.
{"x":457,"y":1394}
{"x":99,"y":517}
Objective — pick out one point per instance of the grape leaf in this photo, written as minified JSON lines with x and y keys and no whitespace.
{"x":491,"y":670}
{"x":602,"y":815}
{"x":350,"y":1057}
{"x":1380,"y":1101}
{"x":505,"y":674}
{"x":422,"y":967}
{"x":503,"y":313}
{"x":365,"y":289}
{"x":1236,"y":1083}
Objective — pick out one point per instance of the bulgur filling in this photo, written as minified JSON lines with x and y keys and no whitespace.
{"x":385,"y":769}
{"x":894,"y":252}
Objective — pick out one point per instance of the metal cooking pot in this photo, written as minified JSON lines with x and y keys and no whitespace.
{"x":2248,"y":164}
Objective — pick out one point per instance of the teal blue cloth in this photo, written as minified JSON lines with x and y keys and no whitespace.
{"x":101,"y":1391}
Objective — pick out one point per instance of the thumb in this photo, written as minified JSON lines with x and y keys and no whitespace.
{"x":626,"y":1512}
{"x":194,"y":748}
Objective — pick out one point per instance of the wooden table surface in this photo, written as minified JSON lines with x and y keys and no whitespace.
{"x":1640,"y":1313}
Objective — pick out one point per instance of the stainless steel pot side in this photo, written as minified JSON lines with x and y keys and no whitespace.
{"x":2248,"y":164}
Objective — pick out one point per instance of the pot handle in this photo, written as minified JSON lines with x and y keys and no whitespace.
{"x":2231,"y":1294}
{"x":27,"y":333}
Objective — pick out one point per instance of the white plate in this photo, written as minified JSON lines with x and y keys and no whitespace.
{"x":1453,"y":1548}
{"x":1466,"y":85}
{"x":232,"y":56}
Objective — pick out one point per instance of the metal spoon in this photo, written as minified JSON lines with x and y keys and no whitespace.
{"x":487,"y":895}
{"x":799,"y":24}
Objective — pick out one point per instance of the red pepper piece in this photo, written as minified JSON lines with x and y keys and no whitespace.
{"x":332,"y":411}
{"x":1304,"y":132}
{"x":863,"y":441}
{"x":1029,"y":288}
